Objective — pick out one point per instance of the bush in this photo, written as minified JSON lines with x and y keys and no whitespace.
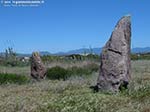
{"x":6,"y":78}
{"x":57,"y":73}
{"x":62,"y":73}
{"x":78,"y":71}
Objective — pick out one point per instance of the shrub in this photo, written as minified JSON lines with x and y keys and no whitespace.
{"x":62,"y":73}
{"x":78,"y":71}
{"x":6,"y":78}
{"x":57,"y":73}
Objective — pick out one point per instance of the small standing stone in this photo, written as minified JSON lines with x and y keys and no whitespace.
{"x":115,"y":68}
{"x":38,"y":70}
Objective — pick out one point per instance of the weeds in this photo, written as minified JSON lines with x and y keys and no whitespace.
{"x":74,"y":94}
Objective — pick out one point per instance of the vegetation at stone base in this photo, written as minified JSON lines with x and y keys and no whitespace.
{"x":7,"y":78}
{"x":74,"y":94}
{"x":58,"y":72}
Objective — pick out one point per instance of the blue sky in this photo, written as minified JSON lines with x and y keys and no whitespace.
{"x":62,"y":25}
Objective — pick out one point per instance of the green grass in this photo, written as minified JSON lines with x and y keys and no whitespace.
{"x":15,"y":70}
{"x":6,"y":78}
{"x":74,"y":95}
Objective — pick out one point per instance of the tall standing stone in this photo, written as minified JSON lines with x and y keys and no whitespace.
{"x":38,"y":70}
{"x":115,"y":68}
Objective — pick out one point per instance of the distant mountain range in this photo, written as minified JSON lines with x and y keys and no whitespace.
{"x":81,"y":51}
{"x":85,"y":50}
{"x":141,"y":50}
{"x":98,"y":50}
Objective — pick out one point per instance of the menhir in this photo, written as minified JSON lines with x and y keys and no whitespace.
{"x":115,"y":68}
{"x":38,"y":70}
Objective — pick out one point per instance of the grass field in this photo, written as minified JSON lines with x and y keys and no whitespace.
{"x":74,"y":94}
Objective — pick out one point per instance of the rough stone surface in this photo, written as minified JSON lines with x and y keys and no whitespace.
{"x":38,"y":70}
{"x":115,"y":68}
